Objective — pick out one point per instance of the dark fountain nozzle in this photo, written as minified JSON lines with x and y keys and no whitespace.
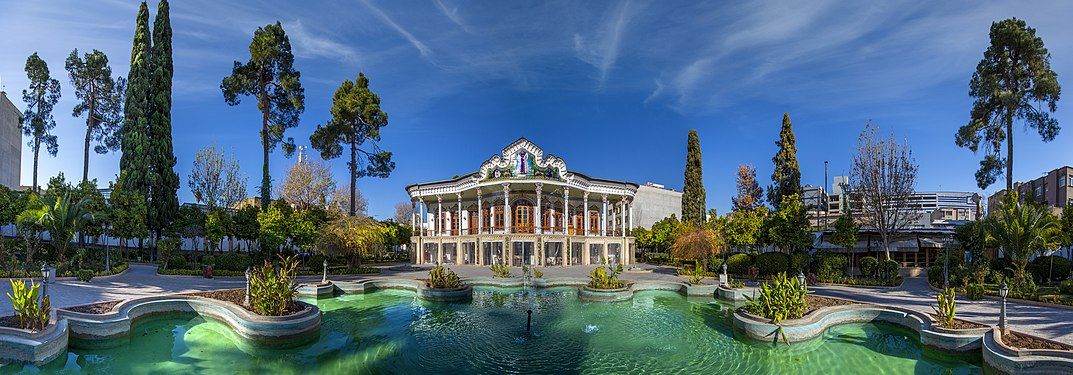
{"x":529,"y":321}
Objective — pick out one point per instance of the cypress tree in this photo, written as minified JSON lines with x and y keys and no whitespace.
{"x":693,"y":193}
{"x":786,"y":178}
{"x":136,"y":110}
{"x":164,"y":202}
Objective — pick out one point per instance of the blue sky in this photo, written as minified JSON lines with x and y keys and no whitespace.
{"x":612,"y":87}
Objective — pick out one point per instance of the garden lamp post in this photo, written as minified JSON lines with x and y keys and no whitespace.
{"x":324,"y":280}
{"x":44,"y":282}
{"x":1003,"y":291}
{"x":801,"y":279}
{"x":247,"y":300}
{"x":946,"y":268}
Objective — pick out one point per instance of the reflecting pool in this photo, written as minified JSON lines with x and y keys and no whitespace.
{"x":392,"y":331}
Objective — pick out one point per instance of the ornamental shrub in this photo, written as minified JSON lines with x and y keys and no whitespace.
{"x":974,"y":292}
{"x":1003,"y":266}
{"x":441,"y":278}
{"x":829,"y":266}
{"x":1041,"y":268}
{"x":272,"y":289}
{"x":888,"y":269}
{"x":799,"y":263}
{"x":30,"y":313}
{"x":236,"y":262}
{"x":606,"y":278}
{"x":783,"y":298}
{"x":935,"y":275}
{"x":1066,"y":287}
{"x":772,"y":263}
{"x":177,"y":262}
{"x":738,"y":264}
{"x":869,"y":266}
{"x":85,"y":275}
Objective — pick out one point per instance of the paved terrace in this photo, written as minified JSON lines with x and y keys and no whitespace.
{"x":142,"y":280}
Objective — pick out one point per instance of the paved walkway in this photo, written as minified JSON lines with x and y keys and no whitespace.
{"x":1049,"y":322}
{"x":142,"y":280}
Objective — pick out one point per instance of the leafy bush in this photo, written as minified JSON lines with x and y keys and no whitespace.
{"x":799,"y":263}
{"x":176,"y":261}
{"x":738,"y":264}
{"x":735,"y":284}
{"x":947,"y":307}
{"x":441,"y":278}
{"x":829,"y":266}
{"x":782,"y":298}
{"x":888,"y":269}
{"x":31,"y":315}
{"x":234,"y":262}
{"x":1041,"y":268}
{"x":1023,"y":287}
{"x":167,"y":247}
{"x":974,"y":292}
{"x":772,"y":263}
{"x":606,"y":278}
{"x":208,"y":260}
{"x":272,"y":289}
{"x":85,"y":275}
{"x":538,"y":273}
{"x":869,"y":266}
{"x":1066,"y":287}
{"x":1003,"y":265}
{"x":501,"y":270}
{"x":697,"y":275}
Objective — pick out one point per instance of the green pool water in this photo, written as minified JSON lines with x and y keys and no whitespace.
{"x":394,"y":332}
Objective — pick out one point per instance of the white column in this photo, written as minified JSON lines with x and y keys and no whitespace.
{"x":603,"y":218}
{"x":566,"y":215}
{"x":585,"y":215}
{"x":439,"y":218}
{"x":480,"y":214}
{"x":421,"y":217}
{"x":629,"y":207}
{"x":506,"y":207}
{"x":459,"y":214}
{"x":622,"y":216}
{"x":539,"y":210}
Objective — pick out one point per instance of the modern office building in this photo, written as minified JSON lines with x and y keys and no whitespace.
{"x":654,"y":202}
{"x":1054,"y":188}
{"x":10,"y":143}
{"x":933,"y":209}
{"x":523,"y":207}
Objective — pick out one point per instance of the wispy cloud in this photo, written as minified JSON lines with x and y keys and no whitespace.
{"x":421,"y":47}
{"x":603,"y":51}
{"x":452,"y":14}
{"x":308,"y":44}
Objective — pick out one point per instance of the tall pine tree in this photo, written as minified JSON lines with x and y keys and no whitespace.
{"x":37,"y":120}
{"x":164,"y":202}
{"x":693,"y":199}
{"x":135,"y":146}
{"x":786,"y":178}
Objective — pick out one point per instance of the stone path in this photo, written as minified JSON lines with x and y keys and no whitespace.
{"x":142,"y":280}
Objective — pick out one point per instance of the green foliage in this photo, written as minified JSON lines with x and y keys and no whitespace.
{"x":661,"y":236}
{"x":845,"y":234}
{"x":272,"y":289}
{"x":275,"y":228}
{"x":128,"y":212}
{"x":217,"y":225}
{"x":136,"y":142}
{"x":772,"y":263}
{"x":606,"y":278}
{"x":738,"y":264}
{"x":37,"y":122}
{"x":693,"y":195}
{"x":1066,"y":287}
{"x":31,"y":314}
{"x":208,"y":260}
{"x":501,"y":271}
{"x":786,"y":177}
{"x":233,"y":261}
{"x":441,"y":278}
{"x":697,"y":275}
{"x":100,"y":100}
{"x":799,"y":263}
{"x":888,"y":269}
{"x":356,"y":119}
{"x":1021,"y":229}
{"x":1050,"y":267}
{"x":1023,"y":287}
{"x":62,"y":217}
{"x":946,"y":307}
{"x":269,"y":76}
{"x":735,"y":284}
{"x":167,"y":247}
{"x":246,"y":227}
{"x":538,"y":273}
{"x":743,"y":229}
{"x":749,"y":195}
{"x":788,"y":226}
{"x":974,"y":292}
{"x":164,"y":202}
{"x":1013,"y":81}
{"x":85,"y":275}
{"x":781,"y":299}
{"x":1066,"y":223}
{"x":869,"y":266}
{"x":829,"y":266}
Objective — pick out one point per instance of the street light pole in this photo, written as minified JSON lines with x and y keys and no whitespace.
{"x":824,"y":203}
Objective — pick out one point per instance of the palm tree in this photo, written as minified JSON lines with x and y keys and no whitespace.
{"x":1022,"y":229}
{"x":62,"y":218}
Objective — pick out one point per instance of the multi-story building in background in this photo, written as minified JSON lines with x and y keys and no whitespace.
{"x":10,"y":142}
{"x":1054,"y":188}
{"x":936,"y":209}
{"x":654,"y":202}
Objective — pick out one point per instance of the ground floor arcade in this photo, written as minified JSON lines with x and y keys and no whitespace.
{"x":522,"y":250}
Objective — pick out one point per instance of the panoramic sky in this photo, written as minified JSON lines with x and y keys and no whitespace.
{"x":612,"y":87}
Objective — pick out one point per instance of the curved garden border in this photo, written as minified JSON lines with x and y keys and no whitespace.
{"x":815,"y":323}
{"x":1003,"y":359}
{"x":69,"y":328}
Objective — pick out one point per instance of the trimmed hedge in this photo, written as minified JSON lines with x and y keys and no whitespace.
{"x":738,"y":264}
{"x":828,"y":265}
{"x":772,"y":263}
{"x":232,"y":262}
{"x":799,"y":263}
{"x":888,"y":269}
{"x":869,"y":266}
{"x":1041,"y":268}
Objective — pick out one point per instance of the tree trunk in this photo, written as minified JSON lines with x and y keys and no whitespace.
{"x":1009,"y":151}
{"x":886,"y":247}
{"x":353,"y":173}
{"x":37,"y":151}
{"x":85,"y":153}
{"x":266,"y":179}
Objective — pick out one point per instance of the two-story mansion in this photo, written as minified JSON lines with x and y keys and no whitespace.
{"x":523,"y":207}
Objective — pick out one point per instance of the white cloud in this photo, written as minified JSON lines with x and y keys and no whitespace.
{"x":421,"y":47}
{"x":603,"y":51}
{"x":308,"y":44}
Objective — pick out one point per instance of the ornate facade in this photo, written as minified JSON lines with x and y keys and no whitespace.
{"x":522,"y":207}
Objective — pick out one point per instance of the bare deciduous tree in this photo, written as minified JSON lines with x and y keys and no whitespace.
{"x":309,"y":183}
{"x":216,"y":180}
{"x":404,"y":212}
{"x":341,"y":201}
{"x":882,"y":183}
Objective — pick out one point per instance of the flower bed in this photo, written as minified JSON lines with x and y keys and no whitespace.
{"x":94,"y":308}
{"x":1022,"y":341}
